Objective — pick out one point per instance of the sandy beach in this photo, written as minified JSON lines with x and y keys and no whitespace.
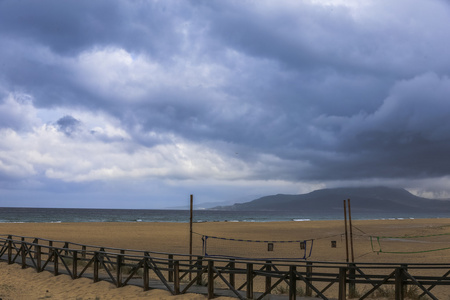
{"x":174,"y":238}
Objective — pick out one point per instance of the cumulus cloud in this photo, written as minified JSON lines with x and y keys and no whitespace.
{"x":17,"y":112}
{"x":71,"y":151}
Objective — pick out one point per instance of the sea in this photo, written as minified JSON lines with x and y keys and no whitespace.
{"x":70,"y":215}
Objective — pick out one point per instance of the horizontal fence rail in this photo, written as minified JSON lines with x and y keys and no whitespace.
{"x":240,"y":278}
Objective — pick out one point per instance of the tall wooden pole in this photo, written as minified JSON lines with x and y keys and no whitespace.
{"x":346,"y":235}
{"x":351,"y":231}
{"x":190,"y":235}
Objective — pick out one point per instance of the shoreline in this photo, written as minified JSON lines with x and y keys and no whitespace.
{"x":228,"y":221}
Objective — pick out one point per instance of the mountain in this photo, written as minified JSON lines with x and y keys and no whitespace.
{"x":363,"y":199}
{"x":212,"y":205}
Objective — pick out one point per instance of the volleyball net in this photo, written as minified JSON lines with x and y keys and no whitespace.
{"x":410,"y":244}
{"x":214,"y":246}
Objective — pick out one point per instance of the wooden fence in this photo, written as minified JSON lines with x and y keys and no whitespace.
{"x":244,"y":279}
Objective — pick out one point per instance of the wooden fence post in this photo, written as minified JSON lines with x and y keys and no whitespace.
{"x":83,"y":251}
{"x":122,"y":263}
{"x":23,"y":253}
{"x":342,"y":283}
{"x":170,"y":268}
{"x":96,"y":259}
{"x":145,"y":276}
{"x":38,"y":258}
{"x":199,"y":270}
{"x":292,"y":283}
{"x":50,"y":248}
{"x":176,"y":282}
{"x":309,"y":268}
{"x":35,"y":243}
{"x":232,"y":276}
{"x":55,"y":261}
{"x":210,"y":279}
{"x":119,"y":260}
{"x":268,"y":278}
{"x":66,"y":248}
{"x":351,"y":280}
{"x":10,"y":249}
{"x":249,"y":281}
{"x":74,"y":264}
{"x":399,"y":284}
{"x":101,"y":258}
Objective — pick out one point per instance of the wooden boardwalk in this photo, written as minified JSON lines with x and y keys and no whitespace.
{"x":243,"y":279}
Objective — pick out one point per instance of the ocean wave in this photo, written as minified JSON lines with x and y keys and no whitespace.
{"x":17,"y":222}
{"x":47,"y":215}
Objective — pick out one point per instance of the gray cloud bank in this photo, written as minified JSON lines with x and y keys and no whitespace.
{"x":152,"y":100}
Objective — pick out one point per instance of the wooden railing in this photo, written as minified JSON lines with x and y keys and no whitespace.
{"x":244,"y":279}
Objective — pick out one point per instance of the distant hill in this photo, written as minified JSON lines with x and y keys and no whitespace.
{"x":363,"y":199}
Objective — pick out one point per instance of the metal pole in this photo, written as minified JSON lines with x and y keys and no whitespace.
{"x":351,"y":232}
{"x":346,"y":236}
{"x":190,"y":235}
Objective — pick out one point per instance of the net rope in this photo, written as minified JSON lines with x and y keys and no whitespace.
{"x":376,"y":240}
{"x":306,"y":248}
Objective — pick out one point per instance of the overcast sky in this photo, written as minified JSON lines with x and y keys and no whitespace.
{"x":138,"y":104}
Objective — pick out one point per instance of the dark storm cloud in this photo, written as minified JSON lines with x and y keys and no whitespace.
{"x":38,"y":37}
{"x":365,"y":137}
{"x":68,"y":125}
{"x":408,"y":136}
{"x":73,"y":26}
{"x":302,"y":91}
{"x":308,"y":37}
